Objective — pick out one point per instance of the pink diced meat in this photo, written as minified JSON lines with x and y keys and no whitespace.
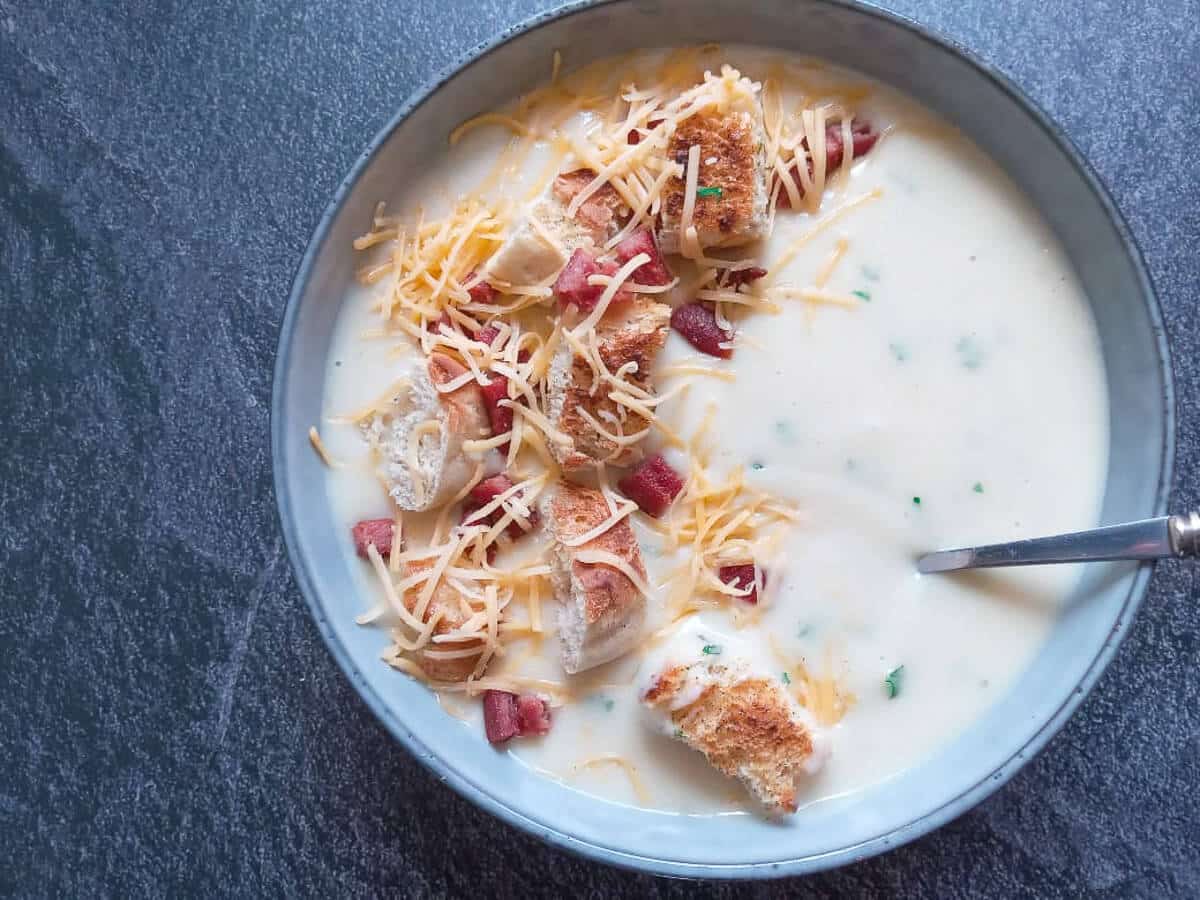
{"x":572,"y":288}
{"x":742,"y":577}
{"x":642,"y":241}
{"x":379,"y":532}
{"x":698,"y":324}
{"x":506,"y":716}
{"x":652,"y":485}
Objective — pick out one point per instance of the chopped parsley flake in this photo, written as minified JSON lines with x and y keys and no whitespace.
{"x":757,"y":466}
{"x":870,"y":273}
{"x":679,"y":734}
{"x":711,"y":650}
{"x":708,"y":192}
{"x":787,"y":679}
{"x":978,"y":487}
{"x":969,"y":353}
{"x":899,"y":351}
{"x":862,"y":295}
{"x":783,"y":431}
{"x":805,"y":630}
{"x":893,"y":682}
{"x":916,"y":501}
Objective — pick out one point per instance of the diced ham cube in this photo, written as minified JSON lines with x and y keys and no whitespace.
{"x":735,"y":278}
{"x":652,"y":485}
{"x":507,"y":715}
{"x":482,"y":292}
{"x":653,"y":272}
{"x":501,"y":720}
{"x":863,"y":136}
{"x":533,"y":715}
{"x":572,"y":288}
{"x":742,"y":577}
{"x":501,"y":417}
{"x":487,"y":491}
{"x":697,"y":322}
{"x":487,"y":334}
{"x":379,"y":532}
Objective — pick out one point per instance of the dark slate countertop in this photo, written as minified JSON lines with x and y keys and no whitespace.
{"x":172,"y":723}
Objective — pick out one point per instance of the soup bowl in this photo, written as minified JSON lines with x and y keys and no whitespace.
{"x":1042,"y":162}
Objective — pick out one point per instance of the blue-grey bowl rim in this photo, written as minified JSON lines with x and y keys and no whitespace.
{"x":805,"y":865}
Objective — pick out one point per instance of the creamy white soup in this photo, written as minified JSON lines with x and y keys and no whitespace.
{"x":915,"y":368}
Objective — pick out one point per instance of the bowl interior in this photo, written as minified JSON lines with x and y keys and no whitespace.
{"x":1141,"y":438}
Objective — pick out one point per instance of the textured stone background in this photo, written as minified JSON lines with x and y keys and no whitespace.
{"x":171,"y":722}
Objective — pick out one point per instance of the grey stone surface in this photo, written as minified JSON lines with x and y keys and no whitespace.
{"x":171,"y":722}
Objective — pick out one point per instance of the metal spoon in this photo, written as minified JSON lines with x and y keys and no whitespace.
{"x":1147,"y":539}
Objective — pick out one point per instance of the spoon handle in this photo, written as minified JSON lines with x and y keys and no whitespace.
{"x":1147,"y":539}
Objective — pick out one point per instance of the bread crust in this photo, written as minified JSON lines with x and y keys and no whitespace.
{"x":747,"y":727}
{"x":636,"y":333}
{"x":602,"y":611}
{"x":732,"y":158}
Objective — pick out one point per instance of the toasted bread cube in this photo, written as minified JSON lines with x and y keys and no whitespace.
{"x":442,"y":467}
{"x":602,"y":613}
{"x":635,"y":332}
{"x":733,"y":159}
{"x":706,"y":693}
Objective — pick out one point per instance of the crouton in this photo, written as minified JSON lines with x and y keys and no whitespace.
{"x":602,"y":613}
{"x":421,"y":440}
{"x":447,"y":604}
{"x":707,"y":695}
{"x":634,"y":332}
{"x":733,"y":183}
{"x":541,"y":239}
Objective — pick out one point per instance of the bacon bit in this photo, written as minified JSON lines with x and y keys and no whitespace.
{"x":572,"y":288}
{"x":482,"y":292}
{"x":742,"y":577}
{"x":487,"y":334}
{"x":500,"y":718}
{"x":735,"y":278}
{"x":862,"y":134}
{"x":652,"y":485}
{"x":698,"y":324}
{"x":635,"y":136}
{"x":379,"y":532}
{"x":533,"y":715}
{"x":654,"y":272}
{"x":501,"y":417}
{"x":487,"y":491}
{"x":506,"y":716}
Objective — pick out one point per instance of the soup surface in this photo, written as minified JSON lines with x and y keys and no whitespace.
{"x":917,"y":368}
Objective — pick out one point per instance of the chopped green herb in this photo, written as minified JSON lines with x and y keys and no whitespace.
{"x":679,"y":734}
{"x":899,"y":351}
{"x":916,"y":501}
{"x":708,"y":192}
{"x":870,"y":273}
{"x":893,"y":682}
{"x":969,"y":353}
{"x":783,"y":431}
{"x":787,"y":679}
{"x":757,"y":466}
{"x":862,"y":295}
{"x":978,"y":487}
{"x":711,"y":650}
{"x":603,"y":700}
{"x":805,"y":630}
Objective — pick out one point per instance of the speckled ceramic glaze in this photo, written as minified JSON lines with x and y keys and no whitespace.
{"x":1037,"y":157}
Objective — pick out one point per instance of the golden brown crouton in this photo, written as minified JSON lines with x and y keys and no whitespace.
{"x":746,"y":725}
{"x":634,"y":333}
{"x":602,"y":612}
{"x":733,"y":160}
{"x":445,"y":604}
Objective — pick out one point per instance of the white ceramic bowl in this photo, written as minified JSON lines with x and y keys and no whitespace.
{"x":1042,"y":162}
